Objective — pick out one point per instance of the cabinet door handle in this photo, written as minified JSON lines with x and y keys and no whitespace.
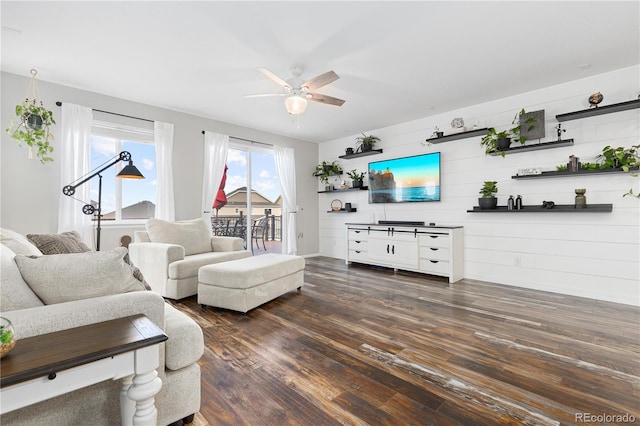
{"x":387,"y":248}
{"x":393,"y":249}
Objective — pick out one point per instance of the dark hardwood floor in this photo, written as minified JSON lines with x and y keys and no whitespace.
{"x":362,"y":345}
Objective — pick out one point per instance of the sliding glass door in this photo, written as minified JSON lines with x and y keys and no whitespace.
{"x":254,"y":202}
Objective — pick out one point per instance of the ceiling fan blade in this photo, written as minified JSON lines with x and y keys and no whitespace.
{"x":264,"y":95}
{"x":321,"y":80}
{"x":271,"y":76}
{"x":325,"y":99}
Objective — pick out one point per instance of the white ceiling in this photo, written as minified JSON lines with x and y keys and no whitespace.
{"x":398,"y":61}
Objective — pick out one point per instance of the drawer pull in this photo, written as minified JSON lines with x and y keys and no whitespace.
{"x":358,"y":241}
{"x":434,"y":249}
{"x":357,"y":232}
{"x":434,"y":236}
{"x":358,"y":251}
{"x":51,"y":376}
{"x":434,"y":261}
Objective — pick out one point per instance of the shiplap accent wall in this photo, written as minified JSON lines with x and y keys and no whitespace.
{"x":594,"y":255}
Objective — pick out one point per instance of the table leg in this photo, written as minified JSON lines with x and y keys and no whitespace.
{"x":145,"y":385}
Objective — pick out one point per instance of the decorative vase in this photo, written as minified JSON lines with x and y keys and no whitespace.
{"x":595,"y":99}
{"x":488,"y":203}
{"x":357,"y":183}
{"x":7,"y":337}
{"x":581,"y":199}
{"x":348,"y":151}
{"x":34,"y":122}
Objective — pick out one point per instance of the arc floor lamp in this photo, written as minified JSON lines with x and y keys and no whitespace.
{"x":128,"y":172}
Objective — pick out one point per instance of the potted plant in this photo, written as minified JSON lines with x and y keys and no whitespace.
{"x":488,"y":201}
{"x":357,"y":178}
{"x":366,"y":143}
{"x":325,"y":170}
{"x":626,"y":159}
{"x":495,"y":141}
{"x":33,"y":128}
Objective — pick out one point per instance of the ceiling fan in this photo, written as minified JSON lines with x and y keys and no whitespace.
{"x":298,"y":91}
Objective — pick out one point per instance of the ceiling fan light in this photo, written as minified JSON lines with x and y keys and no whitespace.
{"x":295,"y":104}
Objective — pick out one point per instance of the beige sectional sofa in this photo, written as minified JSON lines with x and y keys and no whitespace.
{"x":98,"y":404}
{"x":169,"y":254}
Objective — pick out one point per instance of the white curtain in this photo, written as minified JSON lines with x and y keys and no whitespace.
{"x":216,"y":147}
{"x":286,"y":169}
{"x":163,"y":139}
{"x":75,"y":162}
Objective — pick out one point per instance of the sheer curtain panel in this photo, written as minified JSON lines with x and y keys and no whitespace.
{"x":75,"y":162}
{"x":216,"y":147}
{"x":163,"y":139}
{"x":286,"y":168}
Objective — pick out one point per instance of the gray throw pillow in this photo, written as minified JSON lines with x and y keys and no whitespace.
{"x":71,"y":242}
{"x":62,"y":278}
{"x":66,"y":242}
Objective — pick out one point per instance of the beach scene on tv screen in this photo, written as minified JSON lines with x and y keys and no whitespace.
{"x":405,"y":180}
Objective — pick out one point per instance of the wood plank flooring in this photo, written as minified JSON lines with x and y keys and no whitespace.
{"x":361,"y":345}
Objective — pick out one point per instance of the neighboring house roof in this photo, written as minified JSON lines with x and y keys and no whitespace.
{"x":141,"y":210}
{"x":238,"y":197}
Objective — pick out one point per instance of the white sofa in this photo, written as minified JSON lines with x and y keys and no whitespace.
{"x":179,"y":397}
{"x":169,"y":254}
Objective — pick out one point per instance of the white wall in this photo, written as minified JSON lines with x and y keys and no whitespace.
{"x":30,"y":190}
{"x":594,"y":255}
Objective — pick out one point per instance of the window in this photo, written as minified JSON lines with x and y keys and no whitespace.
{"x":124,"y":199}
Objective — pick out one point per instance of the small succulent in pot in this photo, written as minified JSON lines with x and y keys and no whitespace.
{"x":357,"y":178}
{"x":495,"y":141}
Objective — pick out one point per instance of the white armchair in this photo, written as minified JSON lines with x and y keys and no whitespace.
{"x":169,"y":254}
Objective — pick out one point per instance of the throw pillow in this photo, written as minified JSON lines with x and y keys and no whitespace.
{"x":71,"y":242}
{"x":59,"y":278}
{"x":194,"y":235}
{"x":67,"y":242}
{"x":18,"y":243}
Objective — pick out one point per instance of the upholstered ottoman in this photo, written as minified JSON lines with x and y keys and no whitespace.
{"x":244,"y":284}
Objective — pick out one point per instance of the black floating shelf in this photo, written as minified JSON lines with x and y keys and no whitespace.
{"x":361,"y":154}
{"x":535,"y":147}
{"x":362,"y":188}
{"x":566,"y":208}
{"x":343,"y":211}
{"x":584,"y":172}
{"x":461,"y":135}
{"x":333,"y":174}
{"x":592,"y":112}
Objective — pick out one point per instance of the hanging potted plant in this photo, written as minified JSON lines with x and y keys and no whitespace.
{"x":366,"y":143}
{"x":33,"y":123}
{"x":488,"y":201}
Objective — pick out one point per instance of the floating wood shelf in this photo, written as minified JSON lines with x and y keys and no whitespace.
{"x":461,"y":135}
{"x":343,"y":211}
{"x":608,"y":109}
{"x":565,"y":208}
{"x":361,"y":154}
{"x":362,"y":188}
{"x":535,"y":147}
{"x":585,"y":172}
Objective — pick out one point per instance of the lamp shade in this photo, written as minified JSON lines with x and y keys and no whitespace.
{"x":295,"y":104}
{"x":130,"y":172}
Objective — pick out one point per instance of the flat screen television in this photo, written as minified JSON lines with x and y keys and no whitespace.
{"x":412,"y":179}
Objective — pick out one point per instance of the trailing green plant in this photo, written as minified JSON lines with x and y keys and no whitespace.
{"x":327,"y":169}
{"x":620,"y":158}
{"x":32,"y":128}
{"x":490,"y":140}
{"x":365,"y":143}
{"x":489,"y":189}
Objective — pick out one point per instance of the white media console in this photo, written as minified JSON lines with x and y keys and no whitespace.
{"x":436,"y":250}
